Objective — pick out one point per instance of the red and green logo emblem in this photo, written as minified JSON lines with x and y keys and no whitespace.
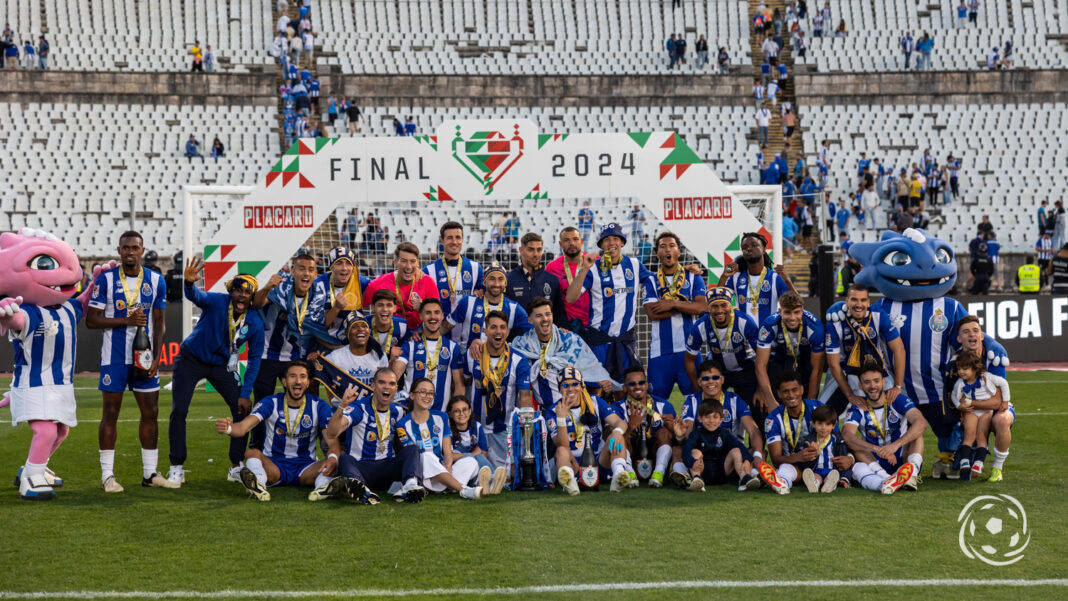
{"x":487,"y":155}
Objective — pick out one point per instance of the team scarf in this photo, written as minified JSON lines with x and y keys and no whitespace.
{"x":860,"y":333}
{"x":585,"y":408}
{"x":336,"y":380}
{"x":671,"y":290}
{"x":561,"y":351}
{"x":492,"y":379}
{"x":352,"y":289}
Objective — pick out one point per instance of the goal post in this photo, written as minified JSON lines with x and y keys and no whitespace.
{"x":765,"y":202}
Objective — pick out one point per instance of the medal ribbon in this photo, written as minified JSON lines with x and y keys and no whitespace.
{"x":606,"y":262}
{"x":544,"y":350}
{"x":381,"y":426}
{"x":567,"y":269}
{"x":792,"y":437}
{"x":130,"y":300}
{"x":884,"y":427}
{"x":723,"y":350}
{"x":790,"y":346}
{"x":235,"y":327}
{"x":672,"y":289}
{"x":411,"y":289}
{"x":754,"y":291}
{"x":492,"y":377}
{"x":459,"y":271}
{"x":389,"y":340}
{"x":301,"y":310}
{"x":432,"y":365}
{"x":293,"y":429}
{"x":487,"y":307}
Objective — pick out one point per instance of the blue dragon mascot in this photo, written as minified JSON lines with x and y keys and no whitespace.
{"x":914,"y":271}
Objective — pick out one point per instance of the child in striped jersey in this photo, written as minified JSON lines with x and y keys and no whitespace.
{"x":469,"y":440}
{"x":428,"y":430}
{"x":977,"y":394}
{"x":831,"y":467}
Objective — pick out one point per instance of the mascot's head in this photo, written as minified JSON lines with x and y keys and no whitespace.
{"x":39,"y":267}
{"x":908,"y":266}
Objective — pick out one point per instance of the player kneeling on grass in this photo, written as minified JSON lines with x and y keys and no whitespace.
{"x":787,"y":428}
{"x":650,"y":422}
{"x":831,"y":468}
{"x":978,"y":395}
{"x":428,"y":430}
{"x":881,"y":433}
{"x":293,"y":421}
{"x":712,"y":453}
{"x":736,"y":419}
{"x":574,"y":416}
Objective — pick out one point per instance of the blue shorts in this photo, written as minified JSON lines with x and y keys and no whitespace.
{"x":667,"y":370}
{"x":119,"y":378}
{"x":290,"y":469}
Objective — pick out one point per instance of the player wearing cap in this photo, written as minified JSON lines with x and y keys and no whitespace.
{"x":570,"y":418}
{"x":613,"y":283}
{"x":362,"y":357}
{"x":755,"y":280}
{"x":468,"y":318}
{"x":227,"y":321}
{"x":673,"y":300}
{"x":731,"y":337}
{"x":342,"y":290}
{"x":456,"y":276}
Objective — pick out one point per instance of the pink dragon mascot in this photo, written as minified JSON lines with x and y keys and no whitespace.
{"x":39,"y":274}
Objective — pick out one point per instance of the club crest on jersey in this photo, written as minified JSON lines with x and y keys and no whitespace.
{"x":766,"y":286}
{"x":437,"y":430}
{"x":629,"y":274}
{"x":146,"y":289}
{"x":546,"y":289}
{"x":445,"y":353}
{"x":893,"y":418}
{"x":107,"y":379}
{"x":607,"y":292}
{"x":938,"y":321}
{"x":726,"y":415}
{"x":736,"y":338}
{"x":871,"y":332}
{"x":306,"y":421}
{"x":467,"y":277}
{"x":244,"y":329}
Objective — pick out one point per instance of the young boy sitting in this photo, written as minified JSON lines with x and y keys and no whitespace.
{"x":832,"y":467}
{"x":977,"y":394}
{"x":712,"y":453}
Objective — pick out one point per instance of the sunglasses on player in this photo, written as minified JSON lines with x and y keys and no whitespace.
{"x":712,"y":378}
{"x":634,"y":383}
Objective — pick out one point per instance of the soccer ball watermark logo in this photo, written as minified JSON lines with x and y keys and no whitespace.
{"x":993,"y":529}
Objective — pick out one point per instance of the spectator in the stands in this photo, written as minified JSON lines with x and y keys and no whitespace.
{"x":680,"y":49}
{"x":841,"y":31}
{"x":934,"y":183}
{"x":283,"y":23}
{"x":817,"y":25}
{"x":352,"y":115}
{"x":637,"y":222}
{"x":409,"y":126}
{"x":1057,"y":223}
{"x":42,"y":52}
{"x":763,"y":121}
{"x":869,"y":203}
{"x":789,"y":123}
{"x":308,"y":39}
{"x":907,"y":46}
{"x":209,"y":59}
{"x":1044,"y":249}
{"x":973,"y":245}
{"x":926,"y":47}
{"x":801,"y":45}
{"x":770,"y":49}
{"x":217,"y":149}
{"x":192,"y":149}
{"x":789,"y":235}
{"x":670,"y":47}
{"x":702,"y":52}
{"x":919,"y":218}
{"x":842,"y":216}
{"x":198,"y":57}
{"x":973,"y":12}
{"x":902,"y":219}
{"x":962,"y":15}
{"x":758,"y":93}
{"x":830,"y":209}
{"x":398,"y":127}
{"x":773,"y":92}
{"x":29,"y":59}
{"x":1006,"y":56}
{"x":993,"y":61}
{"x":985,"y":227}
{"x":724,"y":61}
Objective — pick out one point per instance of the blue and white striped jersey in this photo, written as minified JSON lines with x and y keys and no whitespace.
{"x":279,"y":343}
{"x":773,"y":336}
{"x":397,"y":336}
{"x":800,"y":427}
{"x":474,"y":437}
{"x":427,"y":436}
{"x":734,"y":409}
{"x":601,"y":410}
{"x":771,"y":287}
{"x":285,"y":336}
{"x":516,"y":378}
{"x":415,"y":354}
{"x":877,"y":426}
{"x":668,"y":335}
{"x":841,"y":336}
{"x":833,"y":447}
{"x":737,"y":348}
{"x":454,"y":282}
{"x":366,"y":426}
{"x":468,"y":318}
{"x":45,"y":348}
{"x":278,"y":441}
{"x":928,"y":332}
{"x":614,"y":295}
{"x":108,"y":296}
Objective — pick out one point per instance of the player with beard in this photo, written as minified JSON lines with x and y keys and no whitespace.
{"x":342,"y":289}
{"x":564,"y":268}
{"x":142,"y":290}
{"x":432,"y":356}
{"x":529,"y":281}
{"x":294,"y":421}
{"x":761,"y":283}
{"x":673,"y":300}
{"x":468,"y":317}
{"x":731,"y":336}
{"x":658,"y":416}
{"x":227,"y":321}
{"x":881,"y":433}
{"x":454,"y":275}
{"x":411,"y":286}
{"x":790,"y":340}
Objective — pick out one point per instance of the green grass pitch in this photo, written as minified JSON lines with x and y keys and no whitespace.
{"x":210,"y":536}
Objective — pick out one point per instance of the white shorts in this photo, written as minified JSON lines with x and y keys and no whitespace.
{"x":432,"y":466}
{"x":50,"y":403}
{"x":976,"y":412}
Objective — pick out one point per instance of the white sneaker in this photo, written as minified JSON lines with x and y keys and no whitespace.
{"x":697,"y":484}
{"x":619,"y":482}
{"x":176,"y":475}
{"x":484,"y":475}
{"x":809,"y":477}
{"x":234,"y":475}
{"x":50,"y":477}
{"x":112,"y":485}
{"x":252,"y":484}
{"x":567,"y":480}
{"x":35,"y":488}
{"x":333,"y":487}
{"x":412,"y":492}
{"x":473,"y":493}
{"x":500,"y":480}
{"x":158,"y":481}
{"x":830,"y":481}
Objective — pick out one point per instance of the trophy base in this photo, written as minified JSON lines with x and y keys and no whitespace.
{"x":527,"y":480}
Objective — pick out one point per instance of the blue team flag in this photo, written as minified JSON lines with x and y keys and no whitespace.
{"x":537,"y":448}
{"x":336,"y":380}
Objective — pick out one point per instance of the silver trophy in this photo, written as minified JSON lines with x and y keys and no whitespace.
{"x":527,"y":469}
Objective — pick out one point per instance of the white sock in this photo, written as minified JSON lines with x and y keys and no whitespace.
{"x":999,"y":459}
{"x":322,"y":479}
{"x":917,"y":460}
{"x":34,"y":469}
{"x":787,"y":473}
{"x":256,"y":466}
{"x":411,"y":482}
{"x":630,"y":464}
{"x":863,"y":474}
{"x":618,"y":466}
{"x":878,"y":470}
{"x":680,"y":467}
{"x":149,"y":461}
{"x":107,"y":464}
{"x":663,"y":456}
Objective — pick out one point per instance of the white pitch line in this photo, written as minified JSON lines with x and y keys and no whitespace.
{"x":528,"y":590}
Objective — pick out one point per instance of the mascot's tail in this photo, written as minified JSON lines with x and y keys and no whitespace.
{"x":6,"y":400}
